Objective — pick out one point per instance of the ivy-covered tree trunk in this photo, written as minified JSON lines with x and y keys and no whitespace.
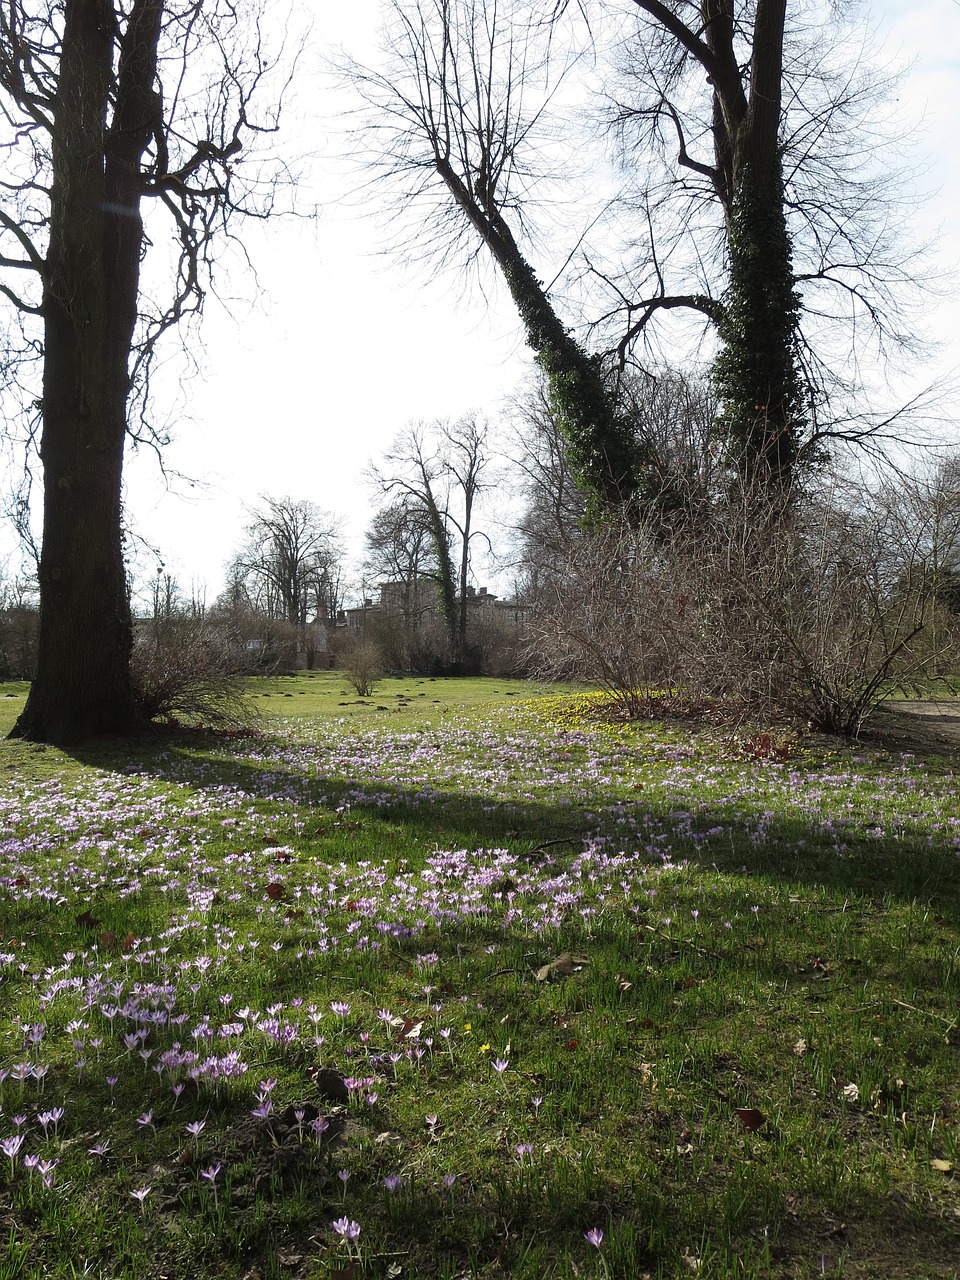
{"x":104,"y":116}
{"x":446,"y":578}
{"x":604,"y":451}
{"x":756,"y":371}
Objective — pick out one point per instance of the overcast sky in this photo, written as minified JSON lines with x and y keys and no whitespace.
{"x":313,"y":374}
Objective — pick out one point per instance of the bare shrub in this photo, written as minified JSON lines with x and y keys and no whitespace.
{"x":184,"y":672}
{"x":362,"y":665}
{"x":817,"y":607}
{"x":614,"y":616}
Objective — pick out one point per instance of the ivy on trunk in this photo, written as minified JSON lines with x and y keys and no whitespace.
{"x":761,"y":417}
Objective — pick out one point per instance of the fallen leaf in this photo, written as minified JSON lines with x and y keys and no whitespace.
{"x":128,"y":943}
{"x":850,"y":1093}
{"x":410,"y":1029}
{"x":563,"y":965}
{"x":800,"y":1048}
{"x":87,"y":920}
{"x":941,"y":1166}
{"x":107,"y":939}
{"x":750,"y":1118}
{"x":388,"y":1139}
{"x":276,"y":890}
{"x":622,"y":984}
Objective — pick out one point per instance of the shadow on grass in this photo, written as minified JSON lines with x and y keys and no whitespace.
{"x":792,"y":850}
{"x":644,"y":1218}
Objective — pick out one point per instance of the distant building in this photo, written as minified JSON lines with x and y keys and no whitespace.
{"x":417,"y":604}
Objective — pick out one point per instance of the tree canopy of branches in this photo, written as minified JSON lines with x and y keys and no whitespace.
{"x":740,"y":140}
{"x":108,"y":105}
{"x":401,"y":550}
{"x":436,"y":477}
{"x":289,"y":565}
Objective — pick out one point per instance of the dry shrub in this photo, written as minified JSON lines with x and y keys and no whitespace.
{"x":362,"y":665}
{"x":185,"y":673}
{"x":815,"y":608}
{"x":614,"y":615}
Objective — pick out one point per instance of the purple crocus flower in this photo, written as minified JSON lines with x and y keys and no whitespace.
{"x":346,"y":1229}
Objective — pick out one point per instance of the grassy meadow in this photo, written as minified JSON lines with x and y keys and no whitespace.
{"x":458,"y":981}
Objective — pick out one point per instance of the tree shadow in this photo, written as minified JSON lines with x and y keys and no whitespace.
{"x":789,"y":848}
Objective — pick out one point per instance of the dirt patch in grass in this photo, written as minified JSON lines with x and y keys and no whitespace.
{"x":931,"y":728}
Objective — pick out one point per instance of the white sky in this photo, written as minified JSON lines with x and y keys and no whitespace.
{"x":343,"y":347}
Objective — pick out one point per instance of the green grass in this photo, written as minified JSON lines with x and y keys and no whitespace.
{"x":760,"y":924}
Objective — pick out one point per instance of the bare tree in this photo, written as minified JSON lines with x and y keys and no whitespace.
{"x":439,"y":474}
{"x":750,"y":126}
{"x":462,"y":104}
{"x":465,"y":460}
{"x":289,"y":565}
{"x":401,"y":551}
{"x":756,"y":141}
{"x":106,"y":106}
{"x":553,"y":507}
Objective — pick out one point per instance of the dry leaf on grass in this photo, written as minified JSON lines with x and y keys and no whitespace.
{"x":562,"y":966}
{"x":750,"y":1118}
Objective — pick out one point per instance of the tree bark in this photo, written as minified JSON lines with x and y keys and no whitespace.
{"x":756,"y":371}
{"x":605,"y":454}
{"x":91,"y":284}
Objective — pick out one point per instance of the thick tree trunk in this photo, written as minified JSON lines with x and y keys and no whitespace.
{"x":756,"y":372}
{"x":91,"y":283}
{"x":83,"y":686}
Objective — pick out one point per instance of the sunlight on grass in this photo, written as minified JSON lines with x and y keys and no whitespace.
{"x":452,"y":982}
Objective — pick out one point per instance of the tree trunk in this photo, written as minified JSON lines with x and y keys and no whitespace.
{"x":756,"y":371}
{"x":604,"y":452}
{"x":91,"y":283}
{"x":447,"y":586}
